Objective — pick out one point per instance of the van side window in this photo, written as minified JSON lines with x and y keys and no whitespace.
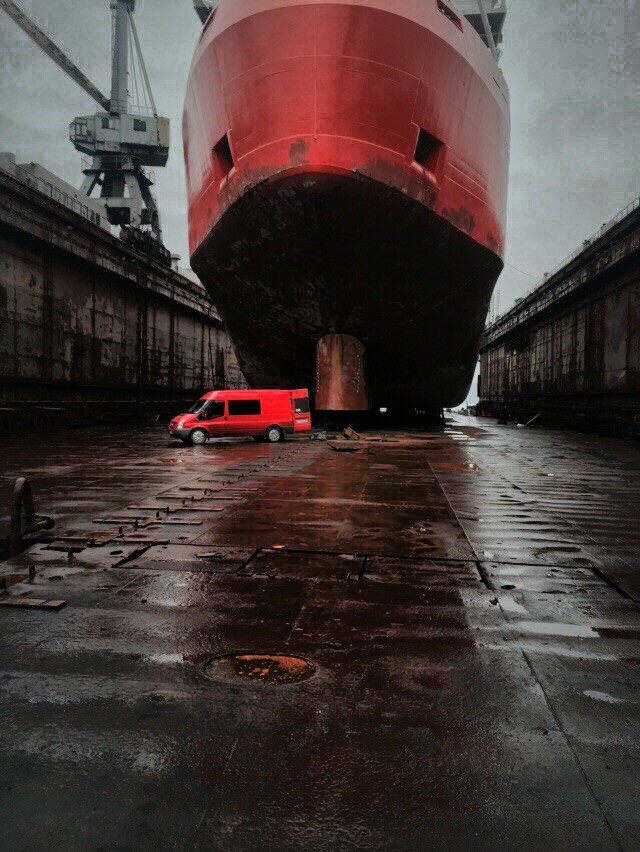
{"x":244,"y":406}
{"x":212,"y":409}
{"x":301,"y":406}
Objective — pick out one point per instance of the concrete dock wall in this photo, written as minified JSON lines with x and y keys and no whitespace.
{"x":91,"y":326}
{"x":571,"y":349}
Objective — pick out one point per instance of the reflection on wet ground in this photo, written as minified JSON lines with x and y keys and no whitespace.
{"x":433,"y":642}
{"x":262,"y":668}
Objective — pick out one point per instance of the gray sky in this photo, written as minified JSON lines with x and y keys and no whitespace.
{"x":572,"y":67}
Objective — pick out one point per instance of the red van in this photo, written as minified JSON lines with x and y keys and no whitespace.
{"x":264,"y":414}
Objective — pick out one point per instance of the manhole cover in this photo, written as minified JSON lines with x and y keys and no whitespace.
{"x":265,"y":668}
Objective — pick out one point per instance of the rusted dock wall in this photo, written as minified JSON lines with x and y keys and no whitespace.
{"x":571,"y":349}
{"x":90,"y":326}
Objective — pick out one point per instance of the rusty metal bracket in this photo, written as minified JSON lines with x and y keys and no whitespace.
{"x":23,"y":504}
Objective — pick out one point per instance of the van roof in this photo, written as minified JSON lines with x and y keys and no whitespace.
{"x":251,"y":393}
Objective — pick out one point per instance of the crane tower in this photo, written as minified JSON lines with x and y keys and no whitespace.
{"x":126,"y":135}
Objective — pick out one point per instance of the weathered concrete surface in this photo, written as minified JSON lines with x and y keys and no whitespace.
{"x":93,"y":326}
{"x":467,"y":600}
{"x":571,"y":347}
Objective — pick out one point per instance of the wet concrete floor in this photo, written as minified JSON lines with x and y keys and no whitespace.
{"x":432,"y":642}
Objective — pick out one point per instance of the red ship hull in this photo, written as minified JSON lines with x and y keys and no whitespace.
{"x":347,"y":170}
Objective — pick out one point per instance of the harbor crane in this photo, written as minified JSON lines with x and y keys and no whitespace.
{"x":125,"y":136}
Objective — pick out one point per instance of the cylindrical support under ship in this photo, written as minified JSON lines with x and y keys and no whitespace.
{"x":340,"y":374}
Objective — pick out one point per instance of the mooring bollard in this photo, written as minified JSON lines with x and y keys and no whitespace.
{"x":23,"y":503}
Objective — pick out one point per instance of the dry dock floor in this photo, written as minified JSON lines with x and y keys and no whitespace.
{"x":455,"y":621}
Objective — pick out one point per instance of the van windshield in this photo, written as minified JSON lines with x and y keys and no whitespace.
{"x":208,"y":409}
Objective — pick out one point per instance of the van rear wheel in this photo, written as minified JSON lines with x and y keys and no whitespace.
{"x":274,"y":434}
{"x":198,"y":437}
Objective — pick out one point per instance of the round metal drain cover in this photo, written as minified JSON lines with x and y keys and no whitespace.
{"x":264,"y":668}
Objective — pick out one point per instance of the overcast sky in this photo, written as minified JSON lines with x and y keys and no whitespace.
{"x":572,"y":66}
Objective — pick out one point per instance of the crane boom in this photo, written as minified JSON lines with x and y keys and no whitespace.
{"x":54,"y":52}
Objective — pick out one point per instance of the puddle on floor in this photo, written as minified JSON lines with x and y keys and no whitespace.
{"x":544,"y":628}
{"x":602,"y":696}
{"x":166,"y":659}
{"x":508,"y":604}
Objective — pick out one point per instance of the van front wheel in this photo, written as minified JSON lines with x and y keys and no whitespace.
{"x":198,"y":437}
{"x":274,"y":434}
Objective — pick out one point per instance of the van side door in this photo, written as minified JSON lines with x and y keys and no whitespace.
{"x":301,"y":410}
{"x":245,"y":417}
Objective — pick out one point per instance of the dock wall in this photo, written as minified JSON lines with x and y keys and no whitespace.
{"x":571,"y":349}
{"x":93,"y":328}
